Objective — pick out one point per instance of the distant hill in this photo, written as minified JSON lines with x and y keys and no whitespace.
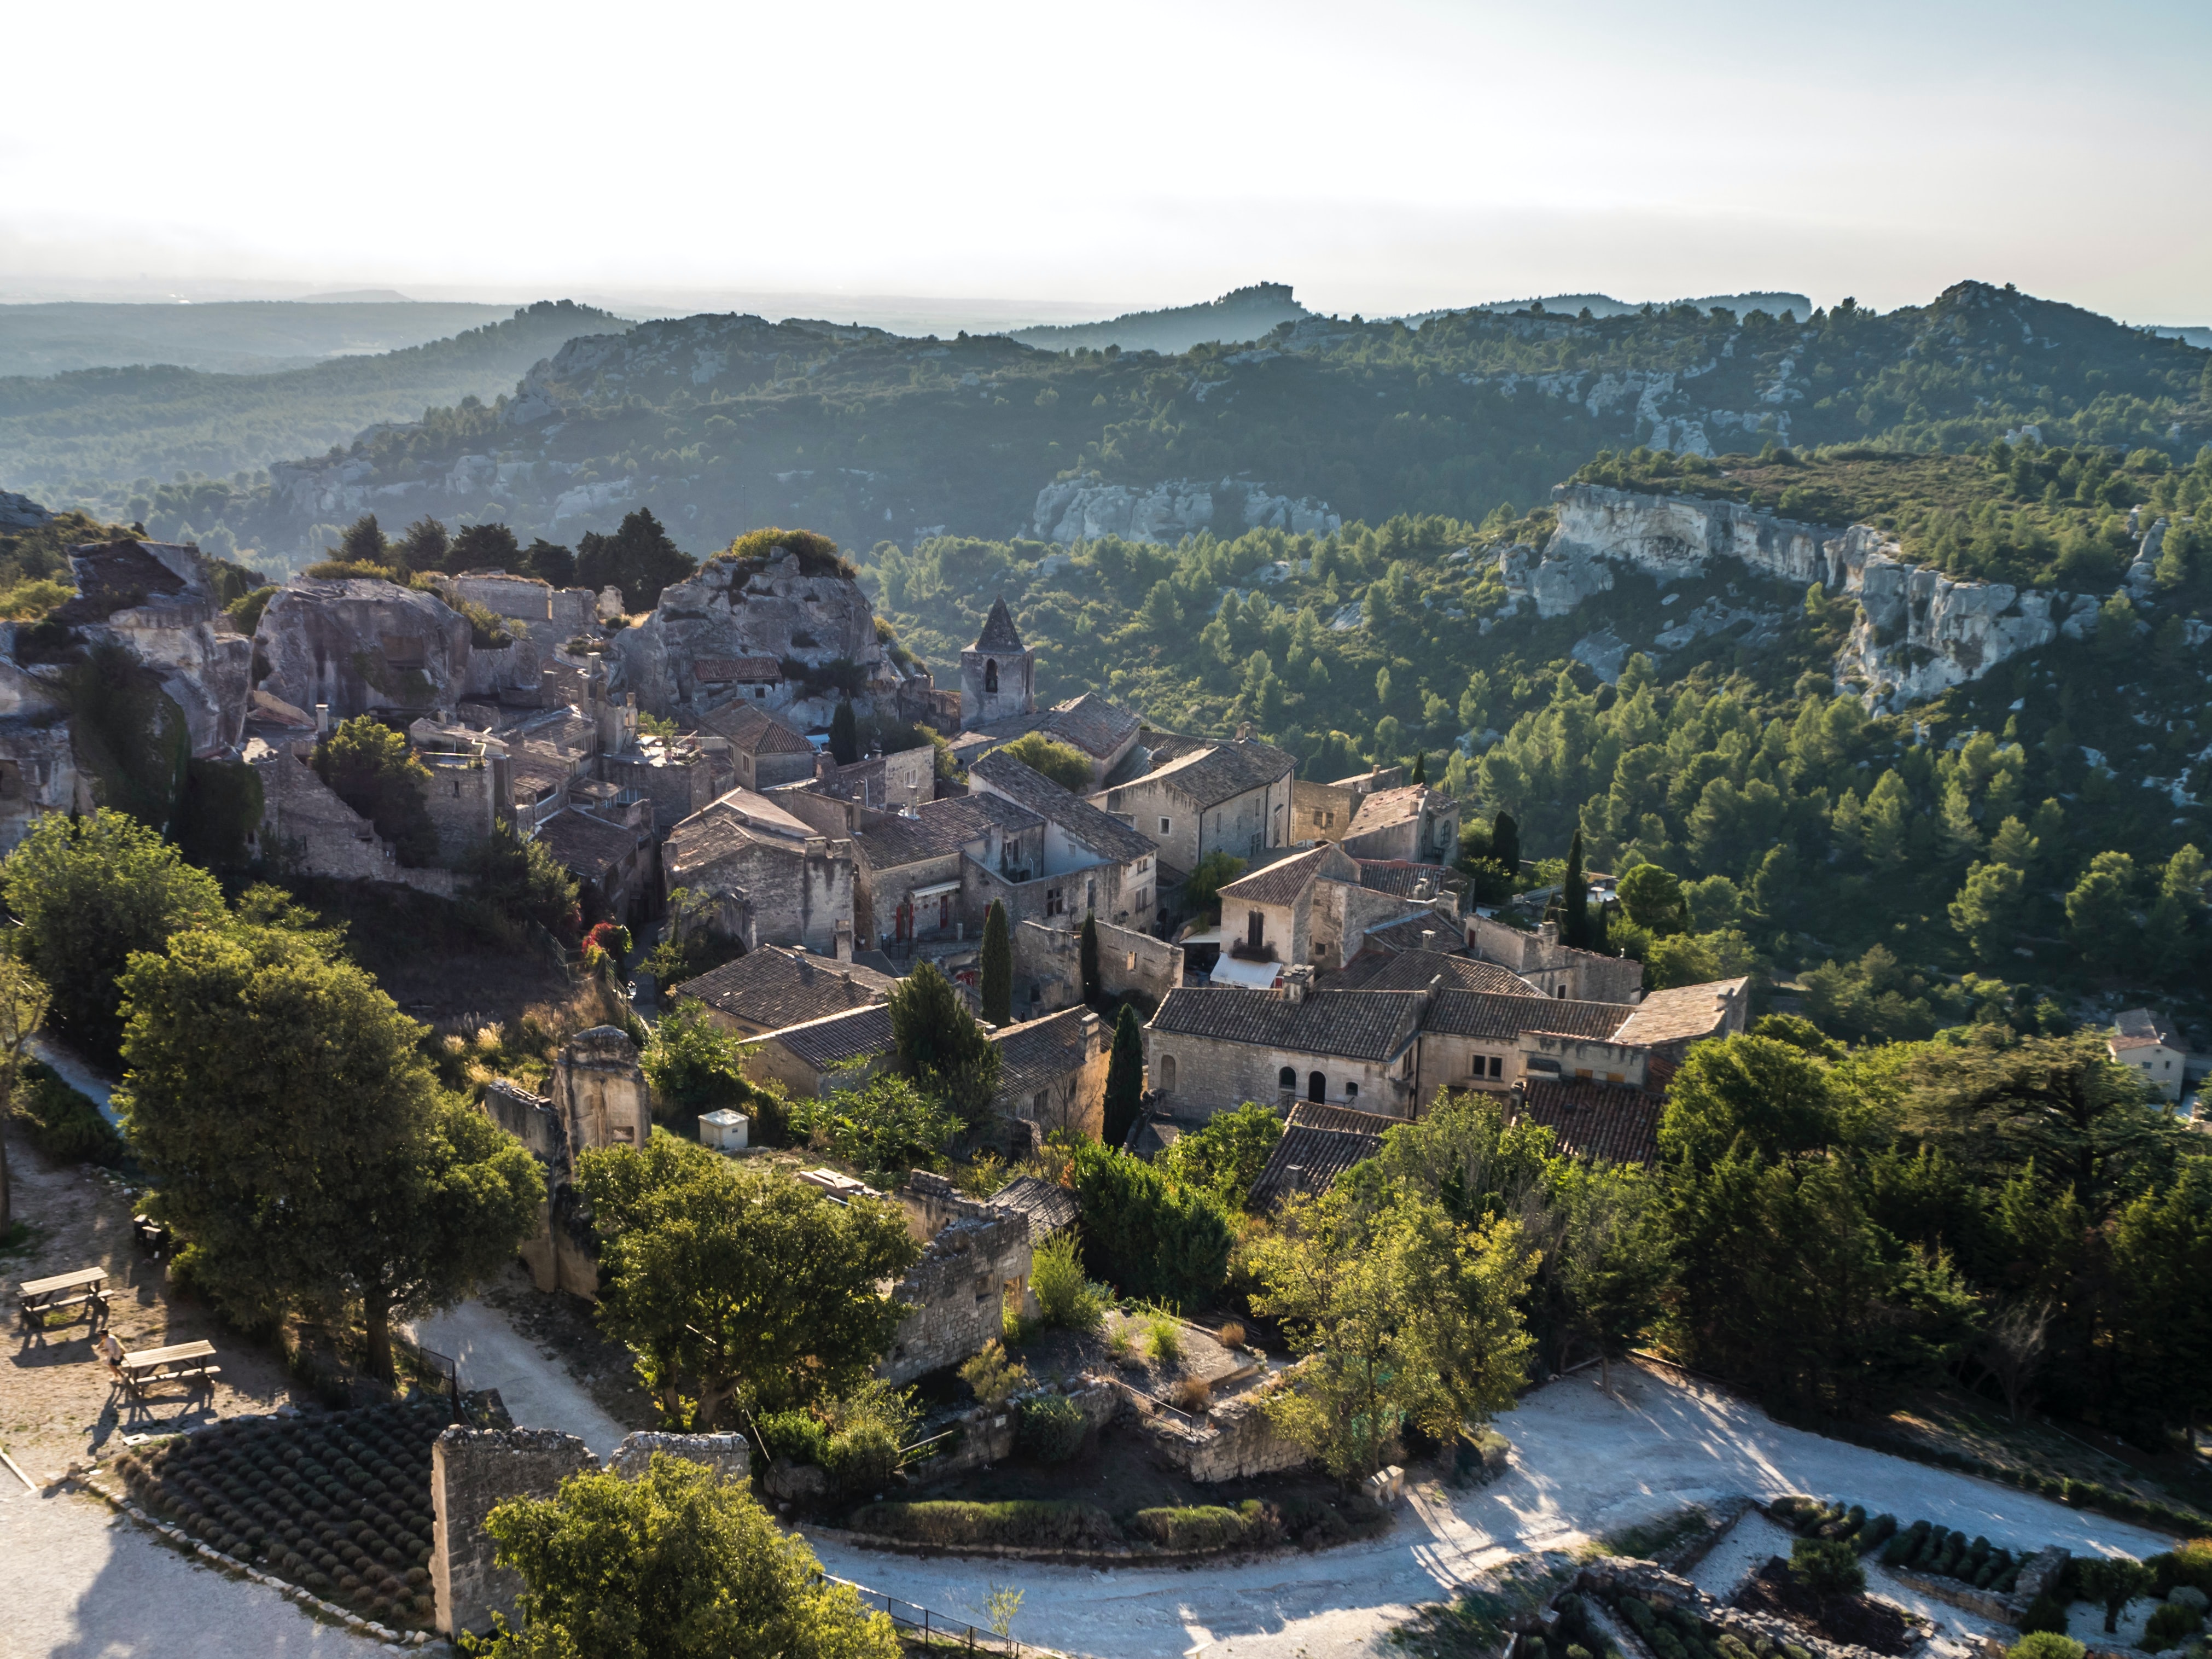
{"x":2195,"y":337}
{"x":1244,"y":313}
{"x":123,"y":423}
{"x":1604,"y":305}
{"x":249,"y":337}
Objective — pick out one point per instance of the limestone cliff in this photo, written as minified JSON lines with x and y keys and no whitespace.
{"x":812,"y":621}
{"x":1083,"y":509}
{"x":159,"y":599}
{"x":362,"y":645}
{"x":1920,"y":632}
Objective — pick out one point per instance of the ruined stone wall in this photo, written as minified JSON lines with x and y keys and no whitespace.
{"x":514,"y":672}
{"x":305,"y":826}
{"x":677,"y":784}
{"x":600,"y":1093}
{"x":1051,"y":960}
{"x":1234,"y":1441}
{"x":464,"y":799}
{"x":474,"y":1470}
{"x":958,"y":1291}
{"x":1320,"y":812}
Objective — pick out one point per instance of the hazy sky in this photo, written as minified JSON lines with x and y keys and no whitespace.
{"x":1386,"y":156}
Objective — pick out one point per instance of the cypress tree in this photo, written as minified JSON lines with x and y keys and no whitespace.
{"x":1506,"y":844}
{"x":1093,"y":992}
{"x":998,"y":970}
{"x":1420,"y":767}
{"x":1125,"y":1078}
{"x":844,"y":735}
{"x":1574,"y":929}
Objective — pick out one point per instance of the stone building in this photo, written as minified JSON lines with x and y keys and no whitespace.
{"x":1601,"y":1121}
{"x":998,"y":673}
{"x":1102,"y":732}
{"x":974,"y":1265}
{"x":1555,"y":969}
{"x":560,"y":614}
{"x":306,"y":828}
{"x":1213,"y":1048}
{"x":813,"y":1058}
{"x":1048,"y":965}
{"x":774,"y":987}
{"x":1203,"y":797}
{"x":1052,"y":1072}
{"x":1089,"y":863}
{"x":1415,"y":823}
{"x":1489,"y":1039}
{"x":1318,"y":1143}
{"x":1323,"y":811}
{"x":675,"y":774}
{"x":2151,"y":1048}
{"x":773,"y":877}
{"x":912,"y":874}
{"x":1316,"y":909}
{"x":611,"y":853}
{"x":764,"y":751}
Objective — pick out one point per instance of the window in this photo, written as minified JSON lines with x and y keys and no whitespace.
{"x":1167,"y":826}
{"x":1287,"y":1078}
{"x":990,"y":677}
{"x":1352,"y":1091}
{"x":1038,"y":1101}
{"x":1054,"y":905}
{"x":1255,"y":930}
{"x":1316,"y":1087}
{"x":1167,"y":1073}
{"x":1497,"y":1066}
{"x":1561,"y":994}
{"x":760,"y":691}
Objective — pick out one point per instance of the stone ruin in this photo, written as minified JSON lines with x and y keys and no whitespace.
{"x":976,"y":1260}
{"x":473,"y":1471}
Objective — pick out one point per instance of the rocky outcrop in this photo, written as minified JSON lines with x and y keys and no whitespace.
{"x":362,"y":646}
{"x":809,"y":618}
{"x":1920,"y":632}
{"x":157,"y":599}
{"x":20,"y":512}
{"x":39,"y":772}
{"x":1083,"y":509}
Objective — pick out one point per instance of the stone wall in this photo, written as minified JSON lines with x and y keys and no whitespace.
{"x":306,"y":828}
{"x":1554,"y":968}
{"x":678,"y":782}
{"x":1050,"y":960}
{"x":1210,"y":1075}
{"x":958,"y":1290}
{"x":464,"y":799}
{"x":599,"y":1093}
{"x":474,"y":1470}
{"x":795,"y":894}
{"x":1234,"y":1441}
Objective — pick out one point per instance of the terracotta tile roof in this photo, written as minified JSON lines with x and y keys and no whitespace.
{"x":1049,"y":1209}
{"x":591,"y":847}
{"x":1683,"y":1014}
{"x":753,"y":730}
{"x":1222,"y":771}
{"x":1369,"y":1025}
{"x":1106,"y":836}
{"x":1502,"y":1017}
{"x":1038,"y":1052}
{"x":1601,"y":1120}
{"x":1402,"y":876}
{"x":837,"y":1039}
{"x":774,"y":987}
{"x":1281,"y":881}
{"x":726,"y":671}
{"x":2138,"y":1028}
{"x":939,"y":828}
{"x":1411,"y":970}
{"x":1388,"y":806}
{"x":1392,"y":938}
{"x":998,"y":632}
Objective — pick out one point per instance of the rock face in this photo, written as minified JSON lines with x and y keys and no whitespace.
{"x":360,"y":645}
{"x":20,"y":512}
{"x":1082,"y":509}
{"x":1920,"y":632}
{"x":159,"y":601}
{"x":678,"y":659}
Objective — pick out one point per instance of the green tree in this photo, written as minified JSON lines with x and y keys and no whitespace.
{"x":996,"y":986}
{"x":486,"y":547}
{"x":1148,"y":1237}
{"x":844,"y":734}
{"x":548,"y":561}
{"x":24,"y":1000}
{"x":886,"y":1126}
{"x":1770,"y":1098}
{"x":89,"y":892}
{"x":372,"y":769}
{"x":1225,"y":1158}
{"x":295,"y":1139}
{"x":1654,"y":899}
{"x":1049,"y":757}
{"x":638,"y":558}
{"x":423,"y":544}
{"x":734,"y":1284}
{"x":940,"y":1046}
{"x":1406,"y":1318}
{"x":696,"y":1066}
{"x":1201,"y":890}
{"x":516,"y":883}
{"x":1125,"y":1079}
{"x":362,"y":542}
{"x":1574,"y":925}
{"x":2100,"y":913}
{"x":675,"y":1565}
{"x":1989,"y":908}
{"x":1086,"y":956}
{"x":1505,"y":845}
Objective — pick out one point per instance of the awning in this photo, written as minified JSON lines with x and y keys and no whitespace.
{"x":936,"y":890}
{"x":1230,"y":970}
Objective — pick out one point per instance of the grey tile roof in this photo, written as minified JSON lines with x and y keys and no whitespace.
{"x":1402,"y":876}
{"x":1281,"y":881}
{"x":1106,"y":836}
{"x":1411,"y":970}
{"x":939,"y":828}
{"x":774,"y":986}
{"x":1307,"y":1160}
{"x":1388,"y":806}
{"x":591,"y":847}
{"x":1049,"y":1209}
{"x":1502,"y":1018}
{"x":838,"y":1039}
{"x":1682,"y":1014}
{"x":1038,"y":1052}
{"x":1371,"y":1025}
{"x":1606,"y":1121}
{"x":2139,"y":1028}
{"x":1405,"y":934}
{"x":998,"y":632}
{"x":1222,"y":771}
{"x":1093,"y":724}
{"x":755,"y":730}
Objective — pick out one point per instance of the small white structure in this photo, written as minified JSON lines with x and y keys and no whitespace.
{"x":2148,"y":1046}
{"x":725,"y":1131}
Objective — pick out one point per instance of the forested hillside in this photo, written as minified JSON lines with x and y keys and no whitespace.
{"x":107,"y":433}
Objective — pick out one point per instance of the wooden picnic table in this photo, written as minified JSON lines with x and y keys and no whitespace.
{"x":177,"y":1362}
{"x":86,"y":1287}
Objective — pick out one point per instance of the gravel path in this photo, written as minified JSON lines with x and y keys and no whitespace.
{"x":1582,"y":1465}
{"x":84,"y":1583}
{"x":535,"y":1386}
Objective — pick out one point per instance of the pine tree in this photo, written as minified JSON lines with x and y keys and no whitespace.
{"x":1575,"y":928}
{"x":844,"y":735}
{"x":998,"y":968}
{"x":1094,"y":993}
{"x":1125,"y":1078}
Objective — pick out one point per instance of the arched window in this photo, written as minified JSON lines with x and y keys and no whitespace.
{"x":1287,"y":1078}
{"x":1167,"y":1073}
{"x":1316,"y":1087}
{"x":991,"y":675}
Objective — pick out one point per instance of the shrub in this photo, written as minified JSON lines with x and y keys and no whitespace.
{"x":1878,"y":1532}
{"x":1163,"y":1339}
{"x":2171,"y":1623}
{"x":1230,"y":1335}
{"x":1193,"y":1394}
{"x":1826,"y":1566}
{"x":1120,"y":1345}
{"x":1052,"y":1428}
{"x":992,"y":1376}
{"x":1144,"y":1236}
{"x":1065,"y":1297}
{"x":2046,"y":1615}
{"x":1022,"y":1521}
{"x":2190,"y":1564}
{"x":1902,"y":1547}
{"x":1250,"y":1525}
{"x":63,"y":1124}
{"x":2047,"y":1644}
{"x":799,"y":1435}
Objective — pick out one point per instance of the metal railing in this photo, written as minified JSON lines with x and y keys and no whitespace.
{"x":936,"y":1630}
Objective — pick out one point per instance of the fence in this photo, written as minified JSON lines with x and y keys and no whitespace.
{"x":429,"y":1362}
{"x":918,"y":1624}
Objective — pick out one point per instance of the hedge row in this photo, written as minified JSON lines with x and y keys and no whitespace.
{"x":1253,"y":1524}
{"x":63,"y":1124}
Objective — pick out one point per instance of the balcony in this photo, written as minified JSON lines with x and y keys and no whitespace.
{"x":1245,"y":950}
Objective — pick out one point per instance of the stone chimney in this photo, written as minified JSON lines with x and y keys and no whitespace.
{"x":844,"y":939}
{"x":1428,"y":938}
{"x":1296,"y":983}
{"x":322,"y":719}
{"x":1243,"y":730}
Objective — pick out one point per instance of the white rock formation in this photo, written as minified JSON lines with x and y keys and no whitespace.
{"x":1083,"y":509}
{"x":173,"y":625}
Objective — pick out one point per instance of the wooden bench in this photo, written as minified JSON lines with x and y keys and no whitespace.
{"x":85,"y":1288}
{"x":180,"y":1362}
